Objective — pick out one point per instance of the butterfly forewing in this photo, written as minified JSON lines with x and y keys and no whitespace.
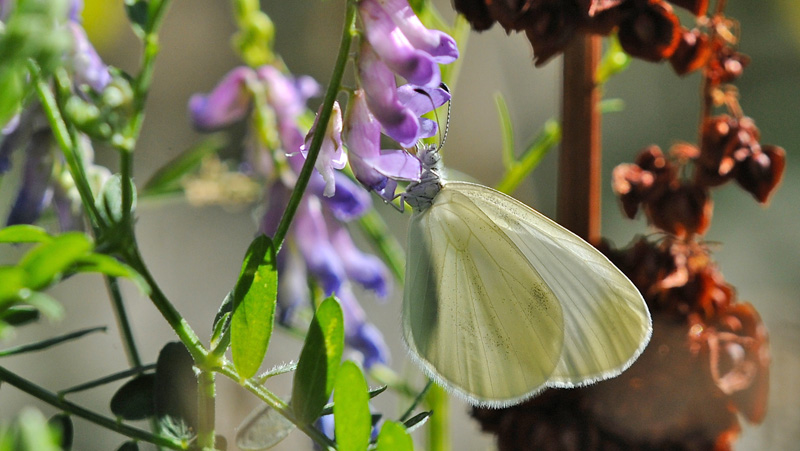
{"x":476,"y":312}
{"x":606,"y":322}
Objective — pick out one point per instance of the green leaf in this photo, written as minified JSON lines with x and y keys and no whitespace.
{"x":254,"y":300}
{"x":352,"y":418}
{"x":34,"y":432}
{"x":50,"y":342}
{"x":62,"y":423}
{"x":168,"y":178}
{"x":507,"y":130}
{"x":393,"y":437}
{"x":19,"y":315}
{"x":45,"y":304}
{"x":262,"y":429}
{"x":416,"y":421}
{"x":614,"y":61}
{"x":319,"y":361}
{"x":24,"y":233}
{"x":46,"y":262}
{"x":129,"y":446}
{"x":137,"y":14}
{"x":134,"y":400}
{"x":12,"y":280}
{"x":12,"y":85}
{"x":112,"y":267}
{"x":175,"y":389}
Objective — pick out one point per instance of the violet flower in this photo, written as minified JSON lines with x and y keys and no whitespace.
{"x":227,"y":103}
{"x":377,"y":169}
{"x":88,"y":67}
{"x":317,"y":245}
{"x":397,"y":43}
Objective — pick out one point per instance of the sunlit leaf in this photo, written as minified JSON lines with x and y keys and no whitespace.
{"x":47,"y":261}
{"x":393,"y":437}
{"x":319,"y":361}
{"x":352,"y":419}
{"x":112,"y":267}
{"x":24,"y":233}
{"x":254,"y":300}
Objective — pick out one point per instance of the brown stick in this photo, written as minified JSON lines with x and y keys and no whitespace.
{"x":579,"y":163}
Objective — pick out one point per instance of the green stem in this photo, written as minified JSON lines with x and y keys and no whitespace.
{"x":66,"y":143}
{"x":126,"y":334}
{"x":206,"y":398}
{"x":521,"y":168}
{"x":108,"y":423}
{"x":278,"y":404}
{"x":439,"y":423}
{"x":185,"y":333}
{"x":322,"y":125}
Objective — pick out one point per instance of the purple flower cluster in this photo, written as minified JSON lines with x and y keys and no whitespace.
{"x":318,"y":245}
{"x":396,"y":43}
{"x":45,"y":180}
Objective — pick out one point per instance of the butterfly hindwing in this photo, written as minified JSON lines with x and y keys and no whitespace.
{"x":476,"y":312}
{"x":606,"y":322}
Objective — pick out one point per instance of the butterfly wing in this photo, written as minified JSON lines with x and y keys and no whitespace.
{"x":606,"y":321}
{"x":476,"y":314}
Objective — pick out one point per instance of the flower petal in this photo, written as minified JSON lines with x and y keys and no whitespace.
{"x":331,"y":154}
{"x":36,"y":191}
{"x":436,"y":43}
{"x":227,"y":103}
{"x":394,"y":48}
{"x":89,"y":68}
{"x":380,"y":89}
{"x":366,"y":269}
{"x":311,"y":236}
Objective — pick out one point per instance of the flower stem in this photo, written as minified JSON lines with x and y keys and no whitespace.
{"x":206,"y":398}
{"x":323,"y":119}
{"x":68,"y":146}
{"x":108,"y":423}
{"x":439,"y":423}
{"x":185,"y":332}
{"x":134,"y":360}
{"x":579,"y":163}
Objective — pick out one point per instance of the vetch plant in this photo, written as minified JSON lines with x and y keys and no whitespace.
{"x":533,"y":292}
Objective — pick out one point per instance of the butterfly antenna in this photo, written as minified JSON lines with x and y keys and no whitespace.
{"x":442,"y":136}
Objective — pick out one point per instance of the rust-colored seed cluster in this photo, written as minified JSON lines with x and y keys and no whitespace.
{"x":708,"y":359}
{"x":647,"y":29}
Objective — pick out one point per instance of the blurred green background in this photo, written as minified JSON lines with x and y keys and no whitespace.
{"x":196,"y":252}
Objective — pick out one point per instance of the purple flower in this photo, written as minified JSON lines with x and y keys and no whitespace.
{"x":331,"y":154}
{"x":227,"y":103}
{"x":366,"y":269}
{"x":382,"y":26}
{"x":36,"y":190}
{"x":375,"y":168}
{"x":89,"y":68}
{"x":397,"y":109}
{"x":311,"y":236}
{"x":360,"y":334}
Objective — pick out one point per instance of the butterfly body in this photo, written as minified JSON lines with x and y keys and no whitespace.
{"x":501,"y":302}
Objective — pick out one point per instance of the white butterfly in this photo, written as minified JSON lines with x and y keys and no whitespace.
{"x":501,"y":302}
